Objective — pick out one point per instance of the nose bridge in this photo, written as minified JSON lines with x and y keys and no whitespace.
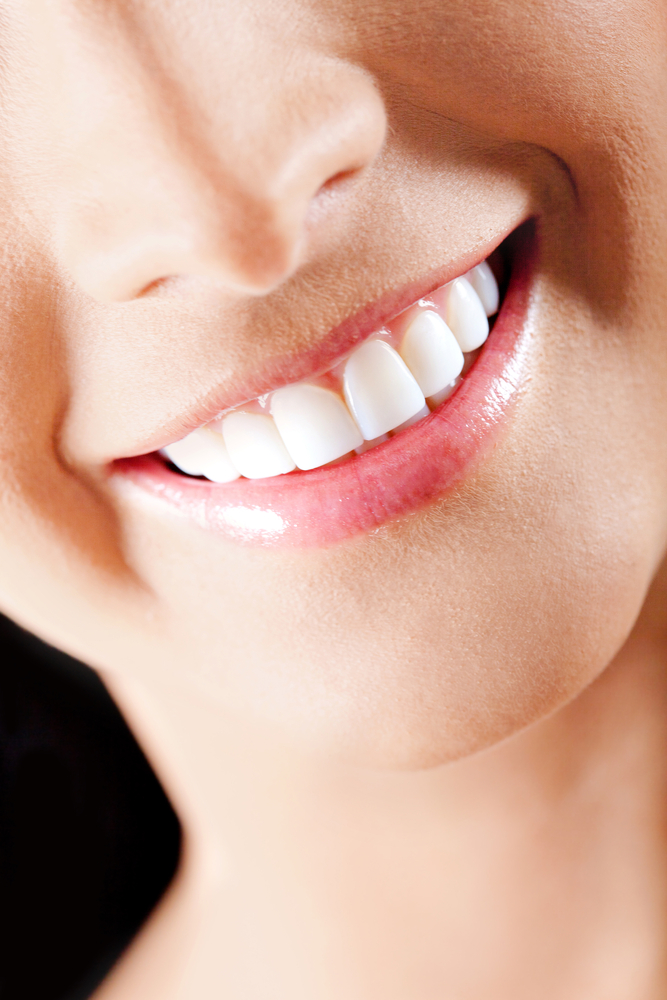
{"x":211,"y":177}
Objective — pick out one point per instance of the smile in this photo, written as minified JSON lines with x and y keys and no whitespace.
{"x":391,"y":381}
{"x":383,"y":431}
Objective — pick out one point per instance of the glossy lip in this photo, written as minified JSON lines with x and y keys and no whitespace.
{"x":328,"y":505}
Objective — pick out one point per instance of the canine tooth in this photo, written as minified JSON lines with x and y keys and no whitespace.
{"x":379,"y":389}
{"x":255,"y":446}
{"x":431,"y":352}
{"x":483,"y":280}
{"x":202,"y":453}
{"x":314,"y":423}
{"x":465,"y":316}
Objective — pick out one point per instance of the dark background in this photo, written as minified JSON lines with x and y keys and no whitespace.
{"x":88,"y":839}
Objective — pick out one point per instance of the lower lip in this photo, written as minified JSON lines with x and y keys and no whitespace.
{"x":422,"y":464}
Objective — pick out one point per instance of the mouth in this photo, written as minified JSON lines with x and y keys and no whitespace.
{"x":394,"y":424}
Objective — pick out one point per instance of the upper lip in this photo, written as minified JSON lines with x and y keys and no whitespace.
{"x":423,"y":464}
{"x":326,"y":351}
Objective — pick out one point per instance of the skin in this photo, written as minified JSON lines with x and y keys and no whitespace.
{"x":186,"y":198}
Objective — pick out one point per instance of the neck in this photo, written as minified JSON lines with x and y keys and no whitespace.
{"x":534,"y":868}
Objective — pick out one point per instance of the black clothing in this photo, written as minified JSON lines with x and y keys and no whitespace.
{"x":88,"y":839}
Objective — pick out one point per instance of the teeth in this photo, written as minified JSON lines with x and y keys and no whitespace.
{"x":255,"y":446}
{"x":431,"y":352}
{"x":203,"y":453}
{"x":424,"y":412}
{"x":379,"y":389}
{"x":484,"y":282}
{"x":439,"y":397}
{"x":465,"y":315}
{"x":385,"y":390}
{"x":373,"y":443}
{"x":314,"y":423}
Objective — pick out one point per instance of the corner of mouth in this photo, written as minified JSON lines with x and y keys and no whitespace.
{"x":391,"y":438}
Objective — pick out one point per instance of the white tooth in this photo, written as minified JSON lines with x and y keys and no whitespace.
{"x":202,"y":453}
{"x":465,"y":316}
{"x":186,"y":454}
{"x":379,"y":389}
{"x":424,"y":412}
{"x":484,"y":282}
{"x":431,"y":352}
{"x":439,"y":397}
{"x":314,"y":423}
{"x":255,"y":446}
{"x":373,"y":443}
{"x":217,"y":465}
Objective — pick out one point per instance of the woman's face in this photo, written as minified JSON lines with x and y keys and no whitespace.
{"x":203,"y":202}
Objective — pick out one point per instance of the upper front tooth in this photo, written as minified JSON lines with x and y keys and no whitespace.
{"x":466,"y":316}
{"x":484,"y":282}
{"x":379,"y":389}
{"x":255,"y":446}
{"x":431,"y":352}
{"x":202,"y":453}
{"x":314,"y":423}
{"x":311,"y":426}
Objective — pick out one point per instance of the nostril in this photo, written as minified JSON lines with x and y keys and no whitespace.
{"x":169,"y":208}
{"x":339,"y":180}
{"x":153,"y":287}
{"x":166,"y":285}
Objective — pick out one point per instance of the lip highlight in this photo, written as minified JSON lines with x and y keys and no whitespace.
{"x":328,"y":505}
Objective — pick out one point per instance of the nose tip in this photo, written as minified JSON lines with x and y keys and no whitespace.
{"x":246,"y":246}
{"x":233,"y":210}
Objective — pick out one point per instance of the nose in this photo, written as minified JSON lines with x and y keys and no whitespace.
{"x":165,"y":178}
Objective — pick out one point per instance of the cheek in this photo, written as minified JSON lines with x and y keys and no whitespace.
{"x":455,"y":628}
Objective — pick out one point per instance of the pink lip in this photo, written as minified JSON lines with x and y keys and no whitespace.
{"x":331,"y":504}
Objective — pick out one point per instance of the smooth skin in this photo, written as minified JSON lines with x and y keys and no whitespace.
{"x":428,"y":763}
